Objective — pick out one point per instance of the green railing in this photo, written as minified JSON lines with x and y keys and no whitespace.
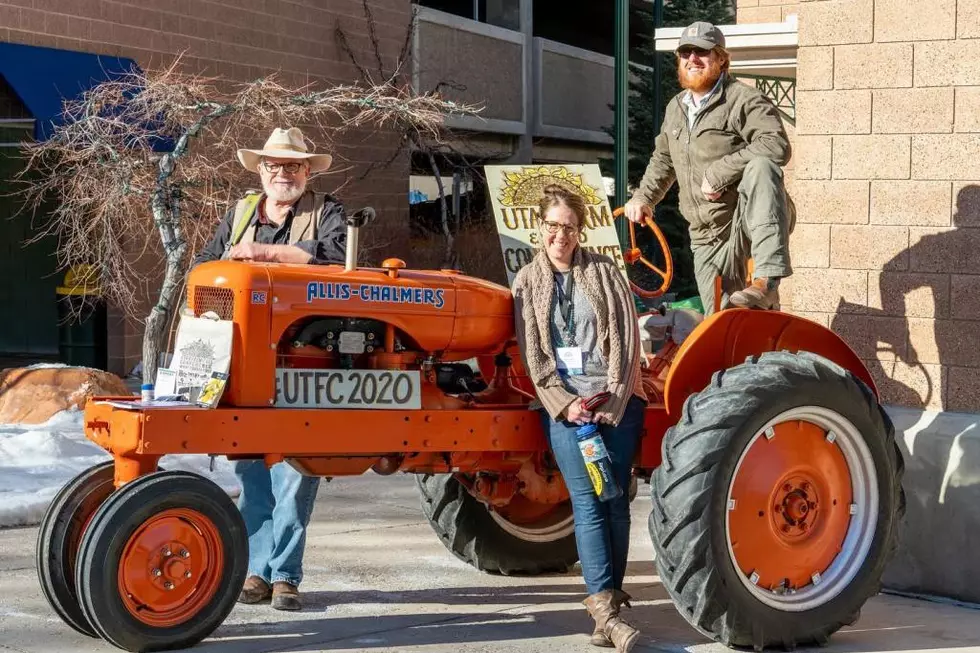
{"x":781,"y":90}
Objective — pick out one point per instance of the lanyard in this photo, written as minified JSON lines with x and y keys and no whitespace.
{"x":565,"y":290}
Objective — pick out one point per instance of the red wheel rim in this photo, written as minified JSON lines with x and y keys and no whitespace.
{"x":789,"y":506}
{"x":171,"y":567}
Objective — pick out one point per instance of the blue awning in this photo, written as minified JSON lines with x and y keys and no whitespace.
{"x":44,"y":77}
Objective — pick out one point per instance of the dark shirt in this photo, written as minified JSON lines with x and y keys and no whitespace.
{"x":329,"y":247}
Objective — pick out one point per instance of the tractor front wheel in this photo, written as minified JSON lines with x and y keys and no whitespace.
{"x":777,"y":503}
{"x":162,"y":562}
{"x":521,"y":538}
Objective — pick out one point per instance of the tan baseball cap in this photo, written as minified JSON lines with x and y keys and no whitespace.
{"x":701,"y":35}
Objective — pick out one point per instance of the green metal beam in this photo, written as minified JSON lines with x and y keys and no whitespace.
{"x":621,"y":104}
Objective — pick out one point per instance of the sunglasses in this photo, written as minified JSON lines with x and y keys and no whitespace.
{"x":553,"y":227}
{"x":290,"y":168}
{"x":685,"y":53}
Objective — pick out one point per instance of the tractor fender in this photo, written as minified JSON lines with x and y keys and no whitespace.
{"x":727,"y":338}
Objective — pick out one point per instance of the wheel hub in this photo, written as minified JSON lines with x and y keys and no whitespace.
{"x":170,"y":566}
{"x":796,"y":512}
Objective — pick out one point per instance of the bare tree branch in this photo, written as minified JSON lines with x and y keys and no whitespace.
{"x":140,"y":170}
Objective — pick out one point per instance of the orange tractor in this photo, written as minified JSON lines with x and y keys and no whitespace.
{"x":774,"y":475}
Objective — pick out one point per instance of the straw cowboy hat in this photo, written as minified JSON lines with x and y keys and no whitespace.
{"x":284,"y":144}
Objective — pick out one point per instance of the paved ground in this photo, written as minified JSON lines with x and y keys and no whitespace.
{"x":378,"y":580}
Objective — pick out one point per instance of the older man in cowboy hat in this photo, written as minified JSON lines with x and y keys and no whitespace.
{"x":285,"y":223}
{"x":723,"y":142}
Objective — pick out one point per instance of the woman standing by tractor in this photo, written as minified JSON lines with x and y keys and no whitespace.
{"x":577,"y":330}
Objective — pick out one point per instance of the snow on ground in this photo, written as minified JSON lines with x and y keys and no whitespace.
{"x":36,"y":460}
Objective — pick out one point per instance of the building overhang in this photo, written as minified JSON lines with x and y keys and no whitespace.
{"x":759,"y":49}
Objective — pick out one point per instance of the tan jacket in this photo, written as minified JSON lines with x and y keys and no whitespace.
{"x":616,"y":329}
{"x":739,"y":123}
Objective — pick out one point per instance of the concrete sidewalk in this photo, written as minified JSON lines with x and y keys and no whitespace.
{"x":378,"y":580}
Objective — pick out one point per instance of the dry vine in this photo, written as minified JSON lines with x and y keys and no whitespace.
{"x":142,"y":168}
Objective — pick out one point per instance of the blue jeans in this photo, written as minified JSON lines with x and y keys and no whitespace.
{"x":276,"y":505}
{"x":602,"y":528}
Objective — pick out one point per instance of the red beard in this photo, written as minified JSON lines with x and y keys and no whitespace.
{"x":699,"y":81}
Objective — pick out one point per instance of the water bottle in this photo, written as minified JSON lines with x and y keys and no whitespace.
{"x":597,"y":462}
{"x":146,"y":392}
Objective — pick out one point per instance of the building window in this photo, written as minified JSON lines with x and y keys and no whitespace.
{"x":502,"y":13}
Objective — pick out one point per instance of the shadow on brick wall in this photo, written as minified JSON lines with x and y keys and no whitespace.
{"x":945,"y":379}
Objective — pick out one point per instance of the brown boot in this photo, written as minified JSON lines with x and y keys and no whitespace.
{"x":285,"y":596}
{"x":619,"y":599}
{"x":757,"y":295}
{"x":604,"y":608}
{"x":255,"y":590}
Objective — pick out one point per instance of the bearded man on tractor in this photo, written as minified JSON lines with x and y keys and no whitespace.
{"x":723,"y":142}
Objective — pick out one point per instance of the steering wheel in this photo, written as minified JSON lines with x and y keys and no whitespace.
{"x":633,"y":254}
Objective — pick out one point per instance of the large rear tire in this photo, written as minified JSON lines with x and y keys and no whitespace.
{"x":162,"y":562}
{"x":58,"y":540}
{"x":497,"y":542}
{"x":777,"y":503}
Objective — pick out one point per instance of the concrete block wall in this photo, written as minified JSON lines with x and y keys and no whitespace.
{"x":887,"y":187}
{"x":765,"y":11}
{"x":241,"y":40}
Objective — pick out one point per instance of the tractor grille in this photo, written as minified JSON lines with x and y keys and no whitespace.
{"x":219,"y":300}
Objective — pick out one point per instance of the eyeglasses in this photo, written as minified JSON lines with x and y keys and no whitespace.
{"x":290,"y":168}
{"x":685,"y":53}
{"x":553,"y":227}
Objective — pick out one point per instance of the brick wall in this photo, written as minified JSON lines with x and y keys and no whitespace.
{"x":765,"y":11}
{"x":888,"y":191}
{"x":240,"y":40}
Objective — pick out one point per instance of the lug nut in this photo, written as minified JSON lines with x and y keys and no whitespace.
{"x":168,"y":585}
{"x":166,"y":553}
{"x":778,"y":508}
{"x":157,"y":573}
{"x":812,"y":504}
{"x":787,"y":487}
{"x":187,"y":574}
{"x":184,"y":553}
{"x":786,"y":528}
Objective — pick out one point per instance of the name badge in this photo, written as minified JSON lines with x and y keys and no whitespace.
{"x":569,"y":360}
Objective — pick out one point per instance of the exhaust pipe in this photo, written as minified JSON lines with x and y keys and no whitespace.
{"x":355,"y":221}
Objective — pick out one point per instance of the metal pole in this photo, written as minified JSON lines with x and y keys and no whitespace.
{"x":658,"y":20}
{"x":621,"y":105}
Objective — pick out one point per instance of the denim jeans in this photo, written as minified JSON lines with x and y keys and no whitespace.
{"x":602,"y":528}
{"x":276,"y":505}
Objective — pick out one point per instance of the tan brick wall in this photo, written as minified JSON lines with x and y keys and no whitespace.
{"x":888,"y":191}
{"x":239,"y":40}
{"x":765,"y":11}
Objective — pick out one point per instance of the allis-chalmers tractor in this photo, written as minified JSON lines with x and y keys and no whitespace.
{"x":774,"y":476}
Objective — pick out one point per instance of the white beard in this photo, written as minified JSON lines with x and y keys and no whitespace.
{"x":284,"y":194}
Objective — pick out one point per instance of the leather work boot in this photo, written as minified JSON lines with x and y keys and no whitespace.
{"x":758,"y":294}
{"x":605,"y":610}
{"x":255,"y":590}
{"x":620,"y":598}
{"x":285,"y":596}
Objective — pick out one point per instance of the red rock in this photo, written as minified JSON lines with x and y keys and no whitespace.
{"x":31,"y":395}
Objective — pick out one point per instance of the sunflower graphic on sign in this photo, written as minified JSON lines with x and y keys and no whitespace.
{"x":525,"y":187}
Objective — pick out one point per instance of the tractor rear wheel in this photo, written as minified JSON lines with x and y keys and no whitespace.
{"x":520,"y":538}
{"x":777,"y":503}
{"x":59,"y":536}
{"x":162,"y":562}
